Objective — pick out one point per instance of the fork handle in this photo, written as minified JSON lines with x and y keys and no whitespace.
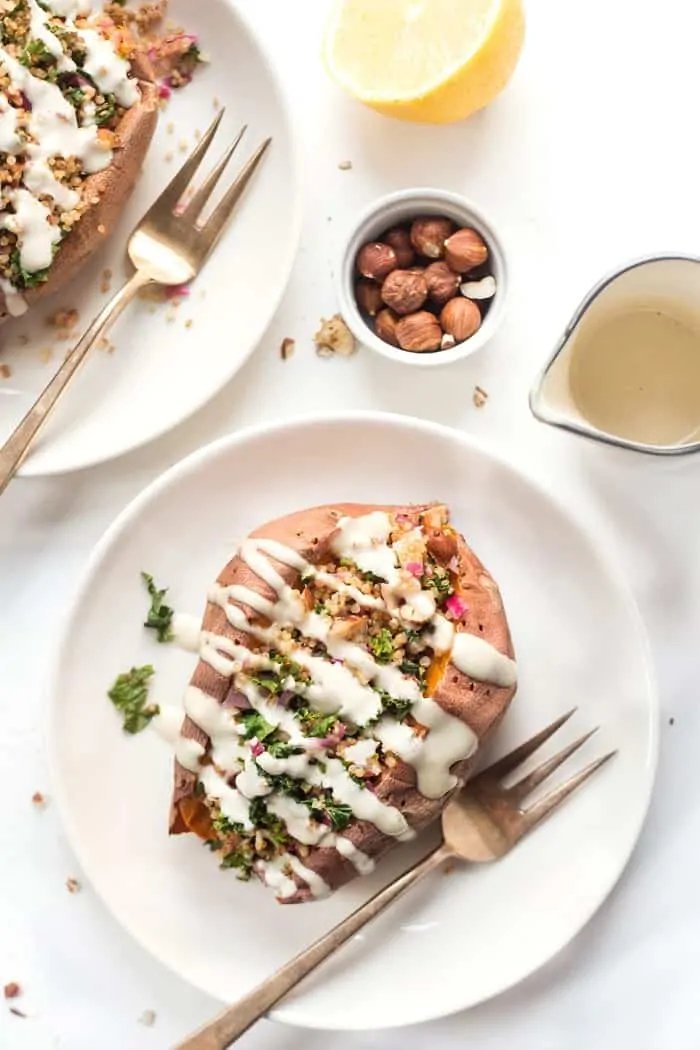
{"x":234,"y":1021}
{"x":17,"y":445}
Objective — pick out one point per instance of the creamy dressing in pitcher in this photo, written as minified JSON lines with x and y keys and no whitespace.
{"x":635,"y":373}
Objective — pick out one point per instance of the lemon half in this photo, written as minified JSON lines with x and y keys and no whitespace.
{"x":436,"y":61}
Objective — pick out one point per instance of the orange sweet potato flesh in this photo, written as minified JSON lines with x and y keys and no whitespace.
{"x":480,"y":705}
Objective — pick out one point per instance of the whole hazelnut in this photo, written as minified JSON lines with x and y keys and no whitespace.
{"x":442,"y":282}
{"x":385,"y":326}
{"x":404,"y":292}
{"x":369,"y":297}
{"x":419,"y":332}
{"x":376,"y":261}
{"x":460,"y":318}
{"x":428,"y":235}
{"x":464,"y":250}
{"x":400,"y":240}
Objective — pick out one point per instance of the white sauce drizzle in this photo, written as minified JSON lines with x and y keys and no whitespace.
{"x":14,"y":301}
{"x":480,"y":660}
{"x":167,"y":725}
{"x":187,"y":632}
{"x":39,"y":30}
{"x":70,"y":8}
{"x":274,"y":875}
{"x":361,"y":753}
{"x":108,"y":69}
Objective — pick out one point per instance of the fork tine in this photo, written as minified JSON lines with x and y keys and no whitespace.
{"x":217,"y":221}
{"x":542,"y":809}
{"x":176,"y":187}
{"x":513,"y":759}
{"x":195,"y":206}
{"x":524,"y":787}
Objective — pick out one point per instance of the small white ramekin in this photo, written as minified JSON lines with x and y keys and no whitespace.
{"x":393,"y":210}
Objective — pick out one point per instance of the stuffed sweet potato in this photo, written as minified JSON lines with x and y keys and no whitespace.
{"x":351,"y":660}
{"x":78,"y":108}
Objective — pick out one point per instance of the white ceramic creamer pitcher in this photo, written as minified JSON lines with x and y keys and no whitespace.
{"x":627,"y":369}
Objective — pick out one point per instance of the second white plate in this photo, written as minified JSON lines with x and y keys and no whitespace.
{"x":168,"y":362}
{"x":482,"y":929}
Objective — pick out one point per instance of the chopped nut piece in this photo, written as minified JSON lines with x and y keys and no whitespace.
{"x":345,"y":165}
{"x":479,"y":397}
{"x":12,"y":990}
{"x":334,"y":337}
{"x":39,"y":800}
{"x":5,"y":371}
{"x":64,"y":319}
{"x":72,"y":885}
{"x":287,"y":348}
{"x":483,"y":289}
{"x":45,"y":354}
{"x":189,"y":322}
{"x":148,"y":1018}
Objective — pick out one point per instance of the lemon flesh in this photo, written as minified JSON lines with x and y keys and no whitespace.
{"x":436,"y":61}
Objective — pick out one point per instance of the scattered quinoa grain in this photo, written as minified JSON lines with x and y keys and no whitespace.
{"x":345,"y":165}
{"x":189,"y":322}
{"x":72,"y":885}
{"x":148,"y":1018}
{"x":479,"y":397}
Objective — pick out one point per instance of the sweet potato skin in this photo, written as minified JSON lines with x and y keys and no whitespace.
{"x":480,"y":705}
{"x":113,"y":186}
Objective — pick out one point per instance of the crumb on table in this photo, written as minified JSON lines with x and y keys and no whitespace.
{"x":287,"y":348}
{"x":5,"y":371}
{"x":12,"y":990}
{"x":479,"y":397}
{"x":148,"y":1018}
{"x":72,"y":885}
{"x":39,"y":800}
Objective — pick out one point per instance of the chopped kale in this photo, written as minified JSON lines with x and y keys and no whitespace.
{"x":382,"y":645}
{"x":394,"y":705}
{"x":320,"y":608}
{"x":307,"y":578}
{"x":22,"y":278}
{"x":281,"y":749}
{"x":262,"y":818}
{"x":242,"y":860}
{"x":129,"y":694}
{"x":338,"y":813}
{"x":287,"y":785}
{"x":413,"y":668}
{"x":223,"y":826}
{"x":213,"y":844}
{"x":368,"y":577}
{"x":439,"y":582}
{"x":315,"y":723}
{"x":255,"y":725}
{"x":290,"y":669}
{"x":36,"y":55}
{"x":106,"y":111}
{"x":160,"y":615}
{"x":268,"y":681}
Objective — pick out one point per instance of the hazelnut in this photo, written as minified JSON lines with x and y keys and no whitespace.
{"x":385,"y":326}
{"x":376,"y":261}
{"x":460,"y":318}
{"x":428,"y":235}
{"x":405,"y":292}
{"x":464,"y":250}
{"x":400,"y":240}
{"x":369,"y":297}
{"x":419,"y":332}
{"x":442,"y":282}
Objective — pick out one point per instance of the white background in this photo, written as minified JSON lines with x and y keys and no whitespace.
{"x":590,"y":158}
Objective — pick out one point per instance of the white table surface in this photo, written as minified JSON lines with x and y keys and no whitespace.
{"x":590,"y":158}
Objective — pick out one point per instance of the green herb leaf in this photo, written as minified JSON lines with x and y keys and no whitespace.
{"x":412,"y":667}
{"x":160,"y":615}
{"x":255,"y":725}
{"x":264,"y":820}
{"x":242,"y":861}
{"x":439,"y":582}
{"x":315,"y":723}
{"x":129,"y":694}
{"x":382,"y":645}
{"x":267,"y":680}
{"x":394,"y":705}
{"x":223,"y":826}
{"x":106,"y":111}
{"x":369,"y":577}
{"x":280,"y":749}
{"x":338,"y":813}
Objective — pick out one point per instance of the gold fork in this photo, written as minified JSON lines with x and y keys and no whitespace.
{"x":168,"y":247}
{"x":483,"y":823}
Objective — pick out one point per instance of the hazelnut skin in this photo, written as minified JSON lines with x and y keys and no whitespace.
{"x":428,"y":235}
{"x":404,"y":292}
{"x":376,"y":261}
{"x":369,"y":297}
{"x":419,"y":332}
{"x":464,"y":250}
{"x":460,"y":318}
{"x":442,"y":282}
{"x":385,"y":326}
{"x":400,"y":240}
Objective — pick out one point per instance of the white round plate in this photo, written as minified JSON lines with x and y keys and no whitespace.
{"x":482,"y":929}
{"x":163,"y":367}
